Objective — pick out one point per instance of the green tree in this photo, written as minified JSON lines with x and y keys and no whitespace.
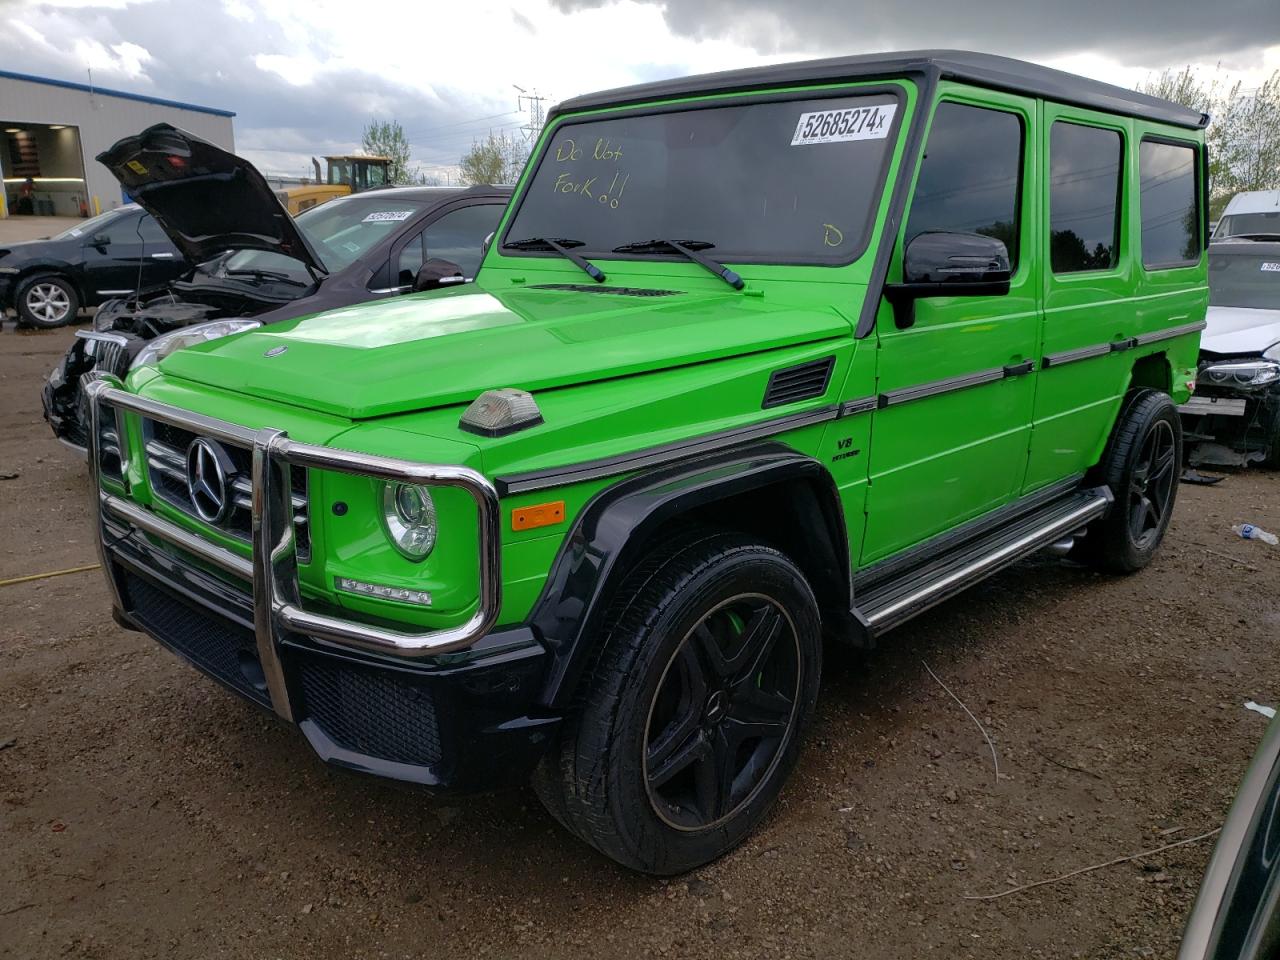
{"x":385,"y":138}
{"x":1243,"y":134}
{"x":496,"y":159}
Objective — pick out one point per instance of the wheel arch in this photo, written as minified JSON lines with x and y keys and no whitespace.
{"x":1153,"y":371}
{"x":768,"y":490}
{"x":56,"y":268}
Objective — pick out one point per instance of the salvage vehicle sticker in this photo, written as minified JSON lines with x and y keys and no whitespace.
{"x":839,"y":126}
{"x":1270,"y":266}
{"x":388,"y":215}
{"x":137,"y":167}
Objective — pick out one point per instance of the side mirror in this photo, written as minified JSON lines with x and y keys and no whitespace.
{"x":100,"y":240}
{"x":437,"y":273}
{"x":941,"y":264}
{"x":487,"y":243}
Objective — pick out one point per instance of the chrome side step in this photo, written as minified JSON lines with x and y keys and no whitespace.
{"x":883,"y":605}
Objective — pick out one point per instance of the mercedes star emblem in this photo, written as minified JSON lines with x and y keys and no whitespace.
{"x":208,"y":467}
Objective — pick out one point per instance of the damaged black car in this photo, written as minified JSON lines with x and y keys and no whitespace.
{"x":254,"y":264}
{"x":1234,"y":417}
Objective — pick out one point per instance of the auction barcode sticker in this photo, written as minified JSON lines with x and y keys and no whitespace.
{"x":850,"y":123}
{"x":1270,"y":266}
{"x":383,"y":216}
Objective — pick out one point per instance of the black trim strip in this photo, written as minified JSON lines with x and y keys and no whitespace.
{"x":1071,"y":356}
{"x":1171,"y":333}
{"x":935,"y":387}
{"x":862,"y":405}
{"x":1118,"y":346}
{"x":658,"y":456}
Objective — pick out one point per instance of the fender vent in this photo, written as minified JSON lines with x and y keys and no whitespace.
{"x":616,"y":291}
{"x":802,"y":382}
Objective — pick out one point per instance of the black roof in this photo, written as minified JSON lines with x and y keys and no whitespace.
{"x":981,"y":69}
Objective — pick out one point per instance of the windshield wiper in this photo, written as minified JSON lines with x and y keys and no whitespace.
{"x":688,"y":249}
{"x":560,"y":246}
{"x":265,"y":275}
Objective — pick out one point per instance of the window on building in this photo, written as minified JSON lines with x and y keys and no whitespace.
{"x":971,"y":175}
{"x":1170,"y":213}
{"x":1084,"y":197}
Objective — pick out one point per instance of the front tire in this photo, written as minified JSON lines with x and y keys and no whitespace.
{"x":46,"y":302}
{"x":1141,"y":466}
{"x":693,"y":716}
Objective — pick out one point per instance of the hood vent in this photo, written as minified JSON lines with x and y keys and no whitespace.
{"x":615,"y":291}
{"x":802,"y":382}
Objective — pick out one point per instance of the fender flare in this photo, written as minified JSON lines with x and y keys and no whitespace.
{"x":616,"y":528}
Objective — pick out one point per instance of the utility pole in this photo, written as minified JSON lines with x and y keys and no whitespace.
{"x":537,"y":115}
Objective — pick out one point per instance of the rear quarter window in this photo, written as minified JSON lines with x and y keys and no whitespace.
{"x":1170,"y":213}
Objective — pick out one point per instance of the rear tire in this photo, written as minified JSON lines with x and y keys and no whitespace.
{"x":693,"y":715}
{"x":1141,"y":466}
{"x":46,"y":302}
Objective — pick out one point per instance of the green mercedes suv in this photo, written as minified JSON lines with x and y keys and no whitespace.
{"x":755,"y":361}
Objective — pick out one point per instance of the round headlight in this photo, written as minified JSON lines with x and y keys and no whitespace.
{"x":409,"y":515}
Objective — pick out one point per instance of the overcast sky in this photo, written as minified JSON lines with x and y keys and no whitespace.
{"x":304,"y":76}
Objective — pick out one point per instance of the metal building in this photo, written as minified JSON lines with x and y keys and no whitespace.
{"x":51,"y":130}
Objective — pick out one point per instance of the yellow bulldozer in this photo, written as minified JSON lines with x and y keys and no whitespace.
{"x":345,"y":175}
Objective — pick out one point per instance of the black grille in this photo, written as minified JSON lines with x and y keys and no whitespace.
{"x":374,"y":713}
{"x":802,"y":382}
{"x":615,"y":291}
{"x":217,"y":646}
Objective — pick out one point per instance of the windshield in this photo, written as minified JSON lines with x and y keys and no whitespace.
{"x":342,"y":230}
{"x":87,"y":228}
{"x":1245,"y":280}
{"x":1244,"y":224}
{"x":793,"y":181}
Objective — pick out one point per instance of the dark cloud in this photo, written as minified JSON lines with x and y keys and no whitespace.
{"x":202,"y":54}
{"x":1140,"y":33}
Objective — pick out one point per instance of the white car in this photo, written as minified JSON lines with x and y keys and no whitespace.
{"x":1234,"y":417}
{"x":1254,"y":215}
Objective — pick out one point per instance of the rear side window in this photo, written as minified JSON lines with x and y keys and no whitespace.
{"x":1170,"y":218}
{"x":1084,"y":198}
{"x":970,"y":176}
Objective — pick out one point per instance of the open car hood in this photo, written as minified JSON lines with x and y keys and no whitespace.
{"x":207,"y":200}
{"x":443,"y":348}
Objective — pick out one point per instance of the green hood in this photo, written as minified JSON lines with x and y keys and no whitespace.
{"x":438,"y":349}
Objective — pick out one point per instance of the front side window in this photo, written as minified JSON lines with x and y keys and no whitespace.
{"x":971,"y":176}
{"x":1242,"y":277}
{"x":1170,"y":214}
{"x":1084,"y":197}
{"x":795,"y":181}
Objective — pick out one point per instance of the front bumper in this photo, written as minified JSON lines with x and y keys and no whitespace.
{"x":452,"y":708}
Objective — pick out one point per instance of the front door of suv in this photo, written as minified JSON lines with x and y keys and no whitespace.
{"x":956,"y":389}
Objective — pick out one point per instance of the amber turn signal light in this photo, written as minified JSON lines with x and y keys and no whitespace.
{"x":538,"y":515}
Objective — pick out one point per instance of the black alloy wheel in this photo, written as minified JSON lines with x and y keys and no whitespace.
{"x":1151,"y":484}
{"x":721,"y":712}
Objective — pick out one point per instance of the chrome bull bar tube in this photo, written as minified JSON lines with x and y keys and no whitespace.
{"x":273,"y":569}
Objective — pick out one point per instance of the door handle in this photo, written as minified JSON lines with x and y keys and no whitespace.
{"x":1019,"y":369}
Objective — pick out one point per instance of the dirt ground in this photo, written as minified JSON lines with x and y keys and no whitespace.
{"x":145,"y":812}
